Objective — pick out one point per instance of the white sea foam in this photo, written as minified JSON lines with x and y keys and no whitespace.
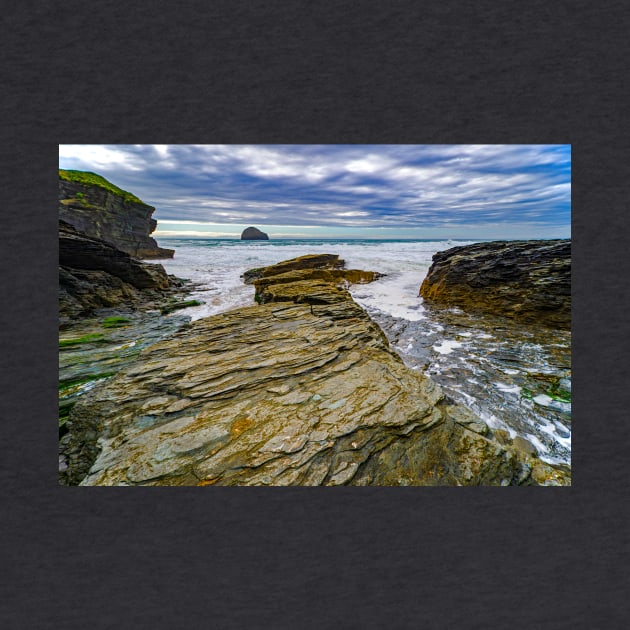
{"x":447,"y":346}
{"x":218,"y":264}
{"x":508,"y":389}
{"x":540,"y":447}
{"x":551,"y":429}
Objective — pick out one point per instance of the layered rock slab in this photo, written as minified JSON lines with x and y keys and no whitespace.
{"x":310,"y":279}
{"x":313,"y":286}
{"x":310,"y":261}
{"x":283,"y":394}
{"x":94,"y":274}
{"x":529,"y":281}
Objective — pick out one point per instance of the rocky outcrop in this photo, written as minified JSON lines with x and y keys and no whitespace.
{"x":529,"y":281}
{"x":94,"y":274}
{"x":253,"y":234}
{"x":310,"y":261}
{"x":311,"y":279}
{"x":99,"y":209}
{"x":285,"y":393}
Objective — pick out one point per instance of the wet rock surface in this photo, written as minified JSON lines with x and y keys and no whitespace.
{"x":94,"y":349}
{"x":105,"y":215}
{"x":295,"y":392}
{"x":311,"y":279}
{"x":94,"y":274}
{"x":529,"y":281}
{"x":515,"y":376}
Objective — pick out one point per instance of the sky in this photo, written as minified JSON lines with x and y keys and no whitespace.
{"x":343,"y":191}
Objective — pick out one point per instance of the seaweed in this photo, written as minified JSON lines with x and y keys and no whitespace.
{"x":173,"y":306}
{"x":91,"y":338}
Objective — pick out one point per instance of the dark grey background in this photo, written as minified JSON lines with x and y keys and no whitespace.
{"x":307,"y":72}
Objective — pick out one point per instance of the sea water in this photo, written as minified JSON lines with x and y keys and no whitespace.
{"x":501,"y":370}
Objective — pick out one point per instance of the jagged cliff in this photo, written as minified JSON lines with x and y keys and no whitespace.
{"x":101,"y":210}
{"x":529,"y":281}
{"x":103,"y":233}
{"x":94,"y":274}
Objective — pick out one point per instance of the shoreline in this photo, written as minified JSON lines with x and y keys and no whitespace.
{"x":360,"y":473}
{"x":184,"y":404}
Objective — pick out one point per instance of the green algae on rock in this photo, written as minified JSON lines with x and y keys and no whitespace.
{"x":175,"y":305}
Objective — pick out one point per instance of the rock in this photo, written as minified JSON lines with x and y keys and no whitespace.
{"x":101,"y":210}
{"x":79,"y":251}
{"x":280,"y":394}
{"x":544,"y":474}
{"x":253,"y":234}
{"x":335,"y":276}
{"x":310,"y":261}
{"x":523,"y":445}
{"x":94,"y":274}
{"x":467,"y":419}
{"x":529,"y":281}
{"x":313,"y":286}
{"x":313,"y":279}
{"x":307,"y":291}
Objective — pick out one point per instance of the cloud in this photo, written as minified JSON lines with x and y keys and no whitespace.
{"x":361,"y":186}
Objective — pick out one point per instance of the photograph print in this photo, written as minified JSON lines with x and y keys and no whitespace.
{"x":306,"y":315}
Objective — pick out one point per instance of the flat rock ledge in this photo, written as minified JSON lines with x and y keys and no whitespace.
{"x":290,"y":392}
{"x":529,"y":281}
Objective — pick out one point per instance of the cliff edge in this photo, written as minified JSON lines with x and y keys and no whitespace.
{"x":99,"y":209}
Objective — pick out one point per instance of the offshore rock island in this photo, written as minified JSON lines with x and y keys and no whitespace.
{"x":300,"y":388}
{"x":253,"y":234}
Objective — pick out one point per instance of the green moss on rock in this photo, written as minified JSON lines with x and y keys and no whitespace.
{"x":115,"y":322}
{"x":91,"y":338}
{"x":174,"y":306}
{"x":65,"y":386}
